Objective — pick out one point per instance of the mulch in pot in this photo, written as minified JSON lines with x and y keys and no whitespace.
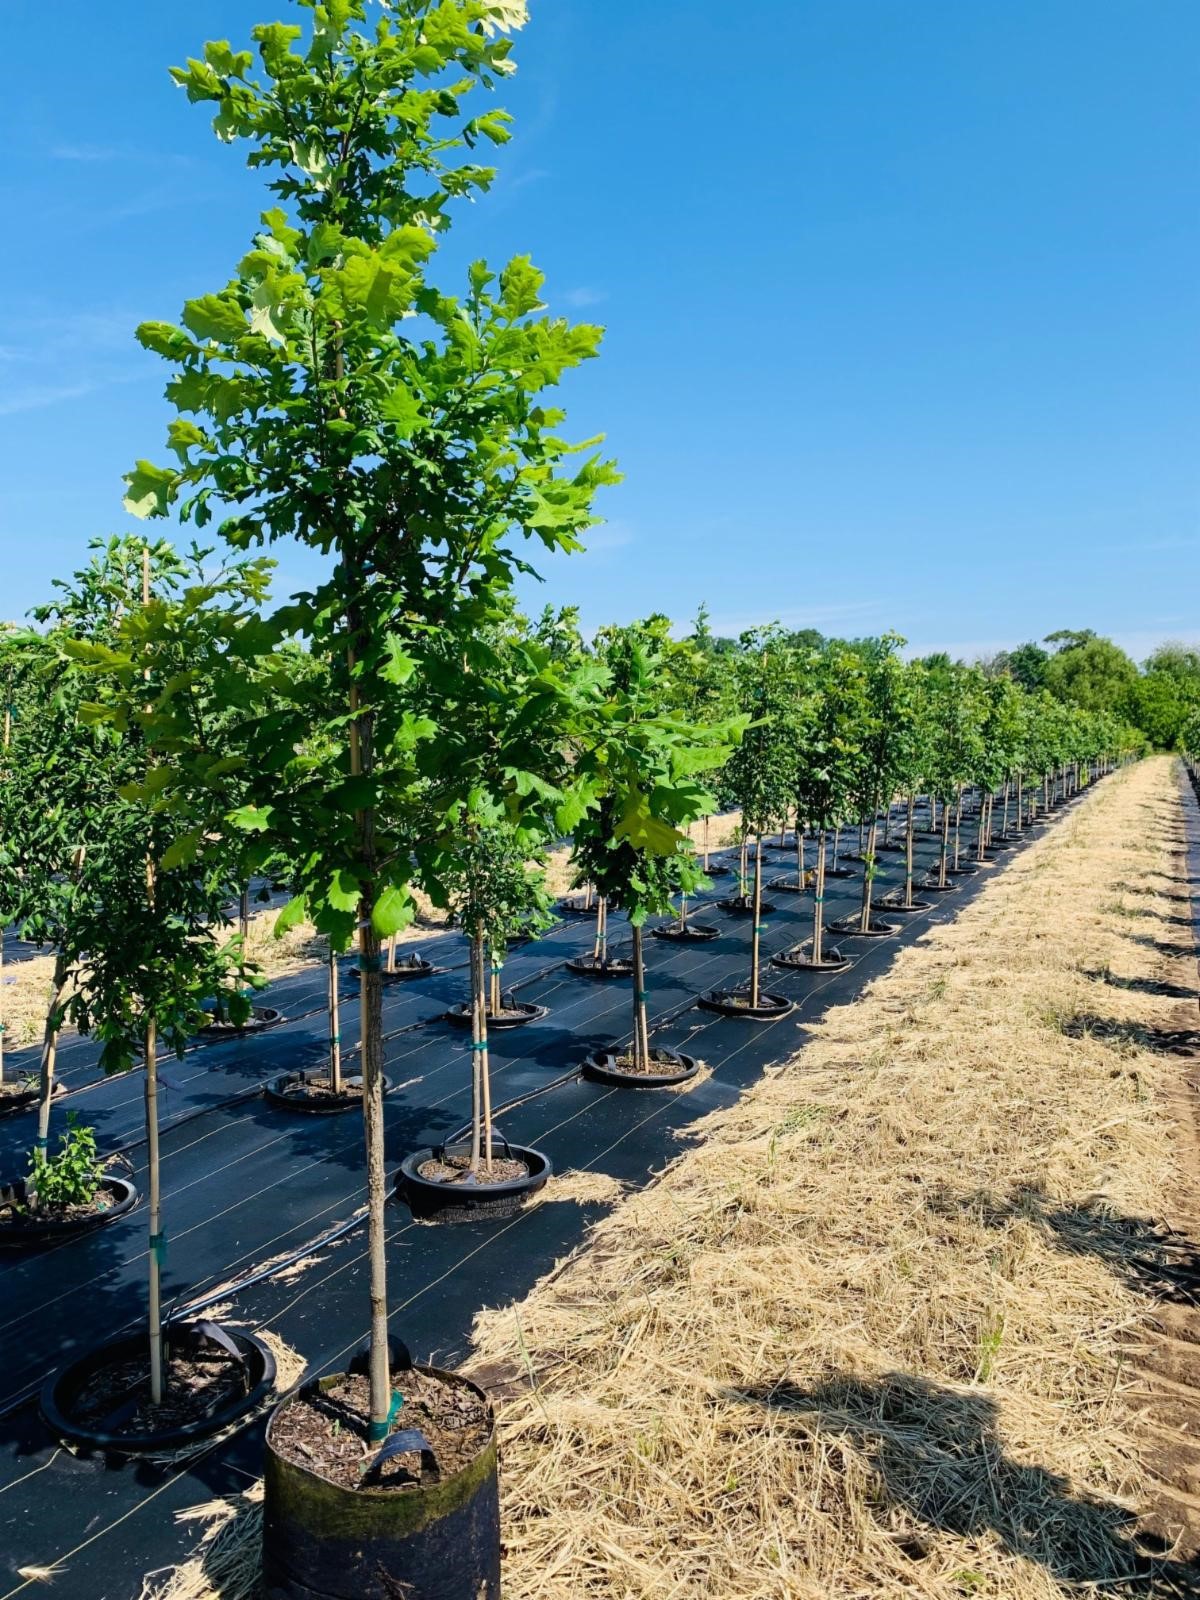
{"x":742,"y":905}
{"x":260,"y":1018}
{"x":736,"y":1003}
{"x":20,"y":1094}
{"x":512,"y":1013}
{"x":852,"y":928}
{"x":660,"y":1070}
{"x":597,"y":967}
{"x":687,"y":932}
{"x":198,"y":1381}
{"x":326,"y":1430}
{"x":408,"y":967}
{"x":453,"y":1167}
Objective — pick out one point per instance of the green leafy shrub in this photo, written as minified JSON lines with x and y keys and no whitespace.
{"x":72,"y":1176}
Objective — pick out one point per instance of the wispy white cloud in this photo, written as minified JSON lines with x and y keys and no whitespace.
{"x":37,"y":396}
{"x":85,"y":152}
{"x":584,"y":296}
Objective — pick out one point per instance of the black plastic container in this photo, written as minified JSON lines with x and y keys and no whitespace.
{"x":603,"y":1067}
{"x":431,"y":1201}
{"x":799,"y":961}
{"x":519,"y":1012}
{"x":731,"y":1003}
{"x":291,"y":1092}
{"x":686,"y":932}
{"x":62,"y":1389}
{"x":439,"y":1540}
{"x":28,"y":1232}
{"x":594,"y":967}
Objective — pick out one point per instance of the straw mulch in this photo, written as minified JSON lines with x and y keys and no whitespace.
{"x":865,"y":1339}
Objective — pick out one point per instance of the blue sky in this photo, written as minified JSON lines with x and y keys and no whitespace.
{"x":903,"y":299}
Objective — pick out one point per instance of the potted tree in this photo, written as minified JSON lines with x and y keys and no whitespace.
{"x":824,"y":776}
{"x":758,"y":779}
{"x":402,"y":431}
{"x":149,"y":952}
{"x":645,"y":761}
{"x":887,"y":730}
{"x":912,"y":765}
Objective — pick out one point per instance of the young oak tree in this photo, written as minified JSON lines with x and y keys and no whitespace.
{"x":827,"y":759}
{"x":757,"y":778}
{"x":329,"y":393}
{"x":644,"y":761}
{"x":148,"y":953}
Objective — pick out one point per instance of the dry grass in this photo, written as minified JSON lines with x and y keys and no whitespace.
{"x":856,"y":1343}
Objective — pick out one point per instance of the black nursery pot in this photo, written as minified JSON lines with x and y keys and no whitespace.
{"x":594,"y":967}
{"x":897,"y":907}
{"x":302,"y":1091}
{"x":934,"y":887}
{"x":409,"y":967}
{"x":11,"y":1104}
{"x":742,"y":905}
{"x":851,"y":928}
{"x":431,"y":1201}
{"x":790,"y":885}
{"x":38,"y":1228}
{"x":603,"y":1066}
{"x":516,"y":1014}
{"x":61,"y":1392}
{"x":574,"y":908}
{"x":260,"y":1018}
{"x":687,"y":932}
{"x":718,"y":869}
{"x":732,"y":1003}
{"x":436,"y":1540}
{"x":839,"y":872}
{"x":798,"y":961}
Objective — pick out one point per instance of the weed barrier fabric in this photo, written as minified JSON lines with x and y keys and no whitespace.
{"x":245,"y":1183}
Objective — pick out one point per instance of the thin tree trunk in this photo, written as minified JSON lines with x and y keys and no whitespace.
{"x":981,"y":830}
{"x":362,"y":763}
{"x":957,"y":826}
{"x":49,"y":1053}
{"x":819,"y":899}
{"x":335,"y":1033}
{"x":909,"y":823}
{"x":494,"y":985}
{"x":391,"y":955}
{"x":641,"y":1027}
{"x":1004,"y":819}
{"x":755,"y":935}
{"x":600,"y":946}
{"x":1020,"y":800}
{"x":742,"y":871}
{"x":869,"y":877}
{"x":154,"y":1219}
{"x":244,"y":915}
{"x":476,"y":1050}
{"x":837,"y":839}
{"x":706,"y":842}
{"x":944,"y":866}
{"x":933,"y":813}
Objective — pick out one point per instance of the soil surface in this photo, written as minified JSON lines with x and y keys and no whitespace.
{"x":660,"y":1061}
{"x":322,"y":1089}
{"x":100,"y":1202}
{"x":455,"y":1169}
{"x":16,"y":1088}
{"x":197,"y":1384}
{"x":326,"y":1432}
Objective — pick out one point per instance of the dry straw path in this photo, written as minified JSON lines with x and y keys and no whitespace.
{"x":909,"y":1319}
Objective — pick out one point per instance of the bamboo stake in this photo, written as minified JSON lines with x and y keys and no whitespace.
{"x":157,"y":1243}
{"x":335,"y":1036}
{"x":819,"y":898}
{"x":641,"y":1031}
{"x":868,"y":877}
{"x":910,"y":820}
{"x":755,"y":937}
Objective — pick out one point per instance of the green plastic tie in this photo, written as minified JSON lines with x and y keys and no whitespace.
{"x":370,"y":964}
{"x":377,"y":1432}
{"x":158,"y":1247}
{"x":818,"y":898}
{"x":641,"y":997}
{"x":478,"y":1044}
{"x":41,"y":1143}
{"x":335,"y":1038}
